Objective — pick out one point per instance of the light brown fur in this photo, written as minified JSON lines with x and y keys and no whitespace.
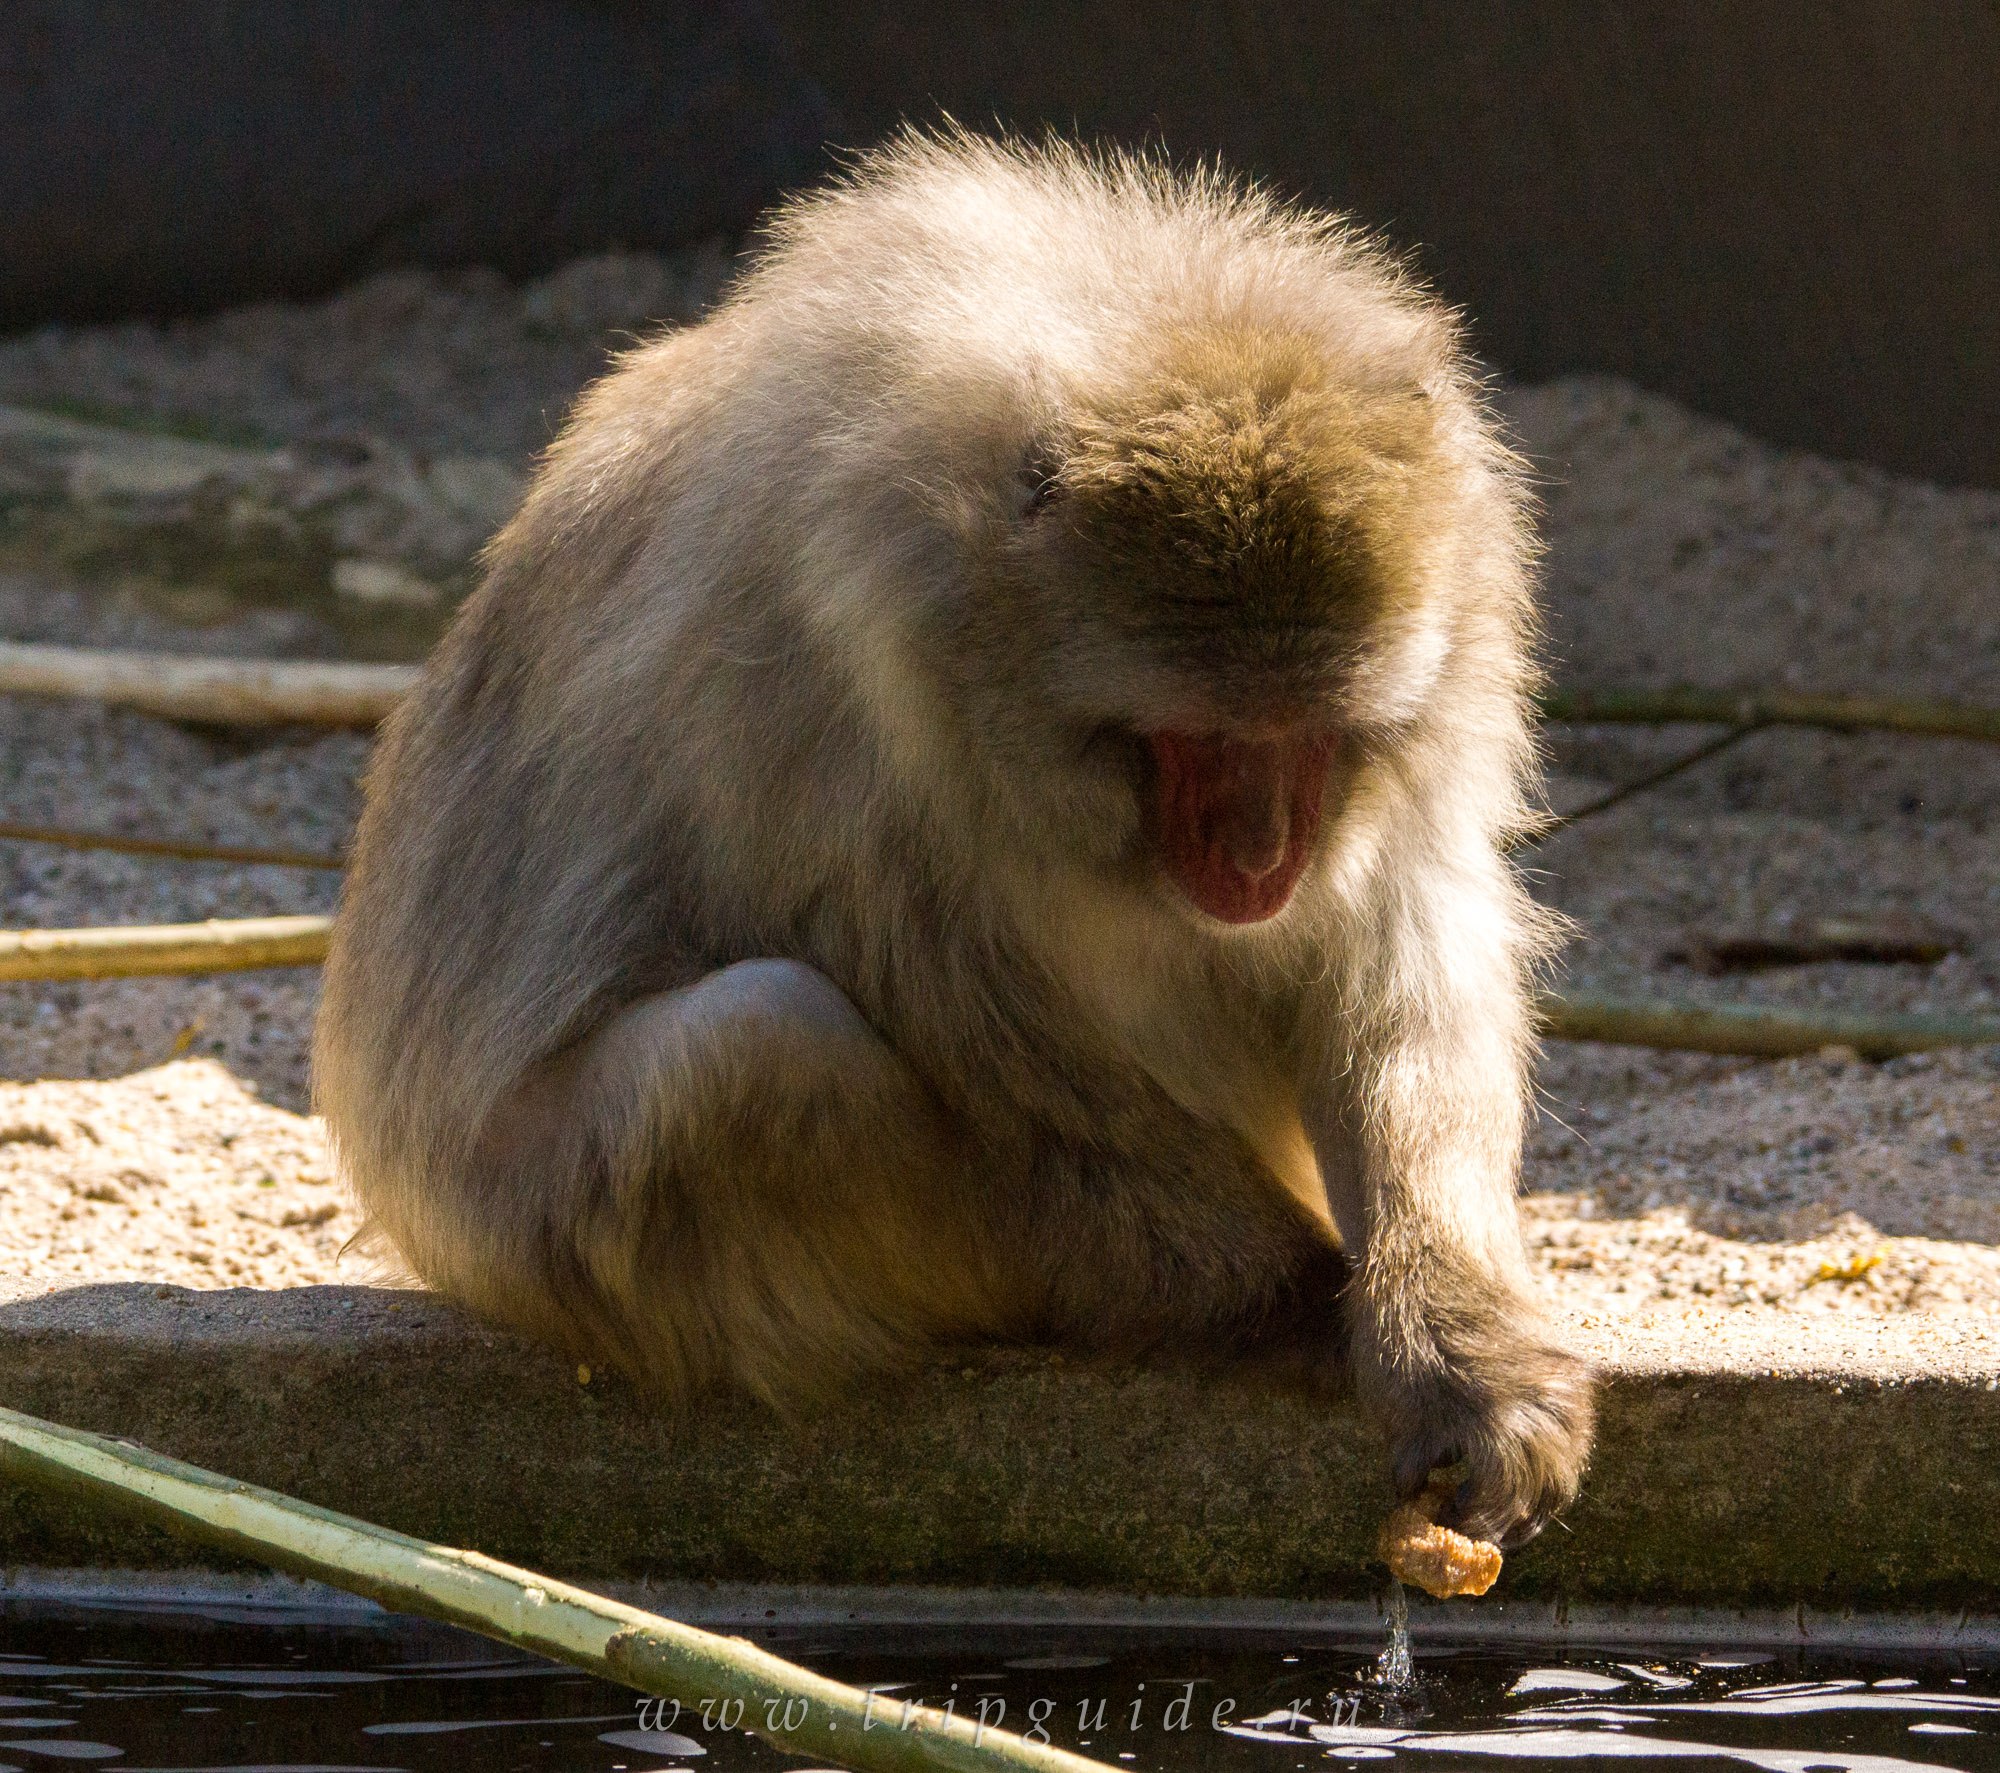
{"x":756,"y":965}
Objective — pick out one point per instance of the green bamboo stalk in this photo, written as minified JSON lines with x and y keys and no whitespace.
{"x":1754,"y":1031}
{"x":124,"y":951}
{"x":790,"y":1707}
{"x":1845,"y":714}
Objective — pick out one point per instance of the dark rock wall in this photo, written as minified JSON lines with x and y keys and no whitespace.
{"x":1786,"y":213}
{"x":162,"y":158}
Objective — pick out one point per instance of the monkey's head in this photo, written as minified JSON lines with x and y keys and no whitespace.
{"x":1210,"y":593}
{"x":1170,"y":511}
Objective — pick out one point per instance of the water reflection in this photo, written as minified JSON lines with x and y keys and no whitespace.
{"x":154,"y":1692}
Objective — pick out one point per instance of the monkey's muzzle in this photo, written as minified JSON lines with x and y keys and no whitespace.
{"x":1234,"y":818}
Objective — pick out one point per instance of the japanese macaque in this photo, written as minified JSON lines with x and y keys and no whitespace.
{"x":971,"y":805}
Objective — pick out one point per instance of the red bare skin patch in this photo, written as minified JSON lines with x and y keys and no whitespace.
{"x":1234,"y":819}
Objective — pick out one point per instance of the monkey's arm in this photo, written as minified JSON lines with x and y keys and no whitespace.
{"x":1415,"y":1109}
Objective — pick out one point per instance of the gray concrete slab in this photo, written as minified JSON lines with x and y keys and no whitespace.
{"x":749,"y":1608}
{"x":1746,"y":1461}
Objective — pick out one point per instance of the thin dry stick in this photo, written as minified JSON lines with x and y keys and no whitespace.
{"x":228,"y":692}
{"x":790,"y":1707}
{"x":62,"y":837}
{"x":1652,"y":779}
{"x":1754,"y":1031}
{"x":1846,"y":714}
{"x":123,"y":951}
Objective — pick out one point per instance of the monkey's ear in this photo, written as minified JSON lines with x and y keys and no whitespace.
{"x":1040,"y":476}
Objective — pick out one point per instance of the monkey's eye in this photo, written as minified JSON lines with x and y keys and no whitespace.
{"x":1041,"y":494}
{"x":1041,"y":480}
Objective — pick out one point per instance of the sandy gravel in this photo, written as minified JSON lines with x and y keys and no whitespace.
{"x":177,"y":1173}
{"x":1680,"y":551}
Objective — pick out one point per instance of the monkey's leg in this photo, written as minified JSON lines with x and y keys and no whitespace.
{"x":737,"y":1180}
{"x":1419,"y":1140}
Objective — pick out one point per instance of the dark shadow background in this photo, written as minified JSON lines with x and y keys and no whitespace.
{"x":1786,"y":213}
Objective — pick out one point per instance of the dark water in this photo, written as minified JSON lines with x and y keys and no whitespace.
{"x":136,"y":1690}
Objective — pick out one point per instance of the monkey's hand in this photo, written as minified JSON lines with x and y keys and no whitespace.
{"x":1475,"y":1377}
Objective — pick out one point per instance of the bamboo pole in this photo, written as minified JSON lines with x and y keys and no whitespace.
{"x":124,"y":951}
{"x":790,"y":1707}
{"x":118,"y":952}
{"x":1844,"y":714}
{"x":229,"y":692}
{"x":1754,"y":1031}
{"x":335,"y":693}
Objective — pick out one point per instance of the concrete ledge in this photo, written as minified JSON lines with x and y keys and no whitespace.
{"x":1745,"y":1462}
{"x":932,"y":1614}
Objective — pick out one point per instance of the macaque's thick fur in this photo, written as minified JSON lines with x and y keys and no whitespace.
{"x":757,"y":963}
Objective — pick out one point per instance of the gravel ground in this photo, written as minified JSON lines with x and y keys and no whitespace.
{"x":1680,"y":551}
{"x":443,"y":364}
{"x":77,"y":766}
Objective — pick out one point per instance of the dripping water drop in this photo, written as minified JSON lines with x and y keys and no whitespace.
{"x":1394,"y":1668}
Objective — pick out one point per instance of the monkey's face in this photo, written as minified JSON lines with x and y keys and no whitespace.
{"x":1225,"y":582}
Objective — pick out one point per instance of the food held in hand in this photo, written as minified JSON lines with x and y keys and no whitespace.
{"x":1434,"y":1558}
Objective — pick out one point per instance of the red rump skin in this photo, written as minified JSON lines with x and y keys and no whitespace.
{"x":1234,"y":819}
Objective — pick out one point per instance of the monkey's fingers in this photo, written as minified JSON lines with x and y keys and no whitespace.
{"x":1525,"y":1462}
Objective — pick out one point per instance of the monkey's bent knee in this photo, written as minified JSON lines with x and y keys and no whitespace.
{"x":784,"y":1019}
{"x":775,"y":993}
{"x":731,"y":1061}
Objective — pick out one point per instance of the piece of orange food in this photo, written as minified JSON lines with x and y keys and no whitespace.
{"x":1434,"y":1558}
